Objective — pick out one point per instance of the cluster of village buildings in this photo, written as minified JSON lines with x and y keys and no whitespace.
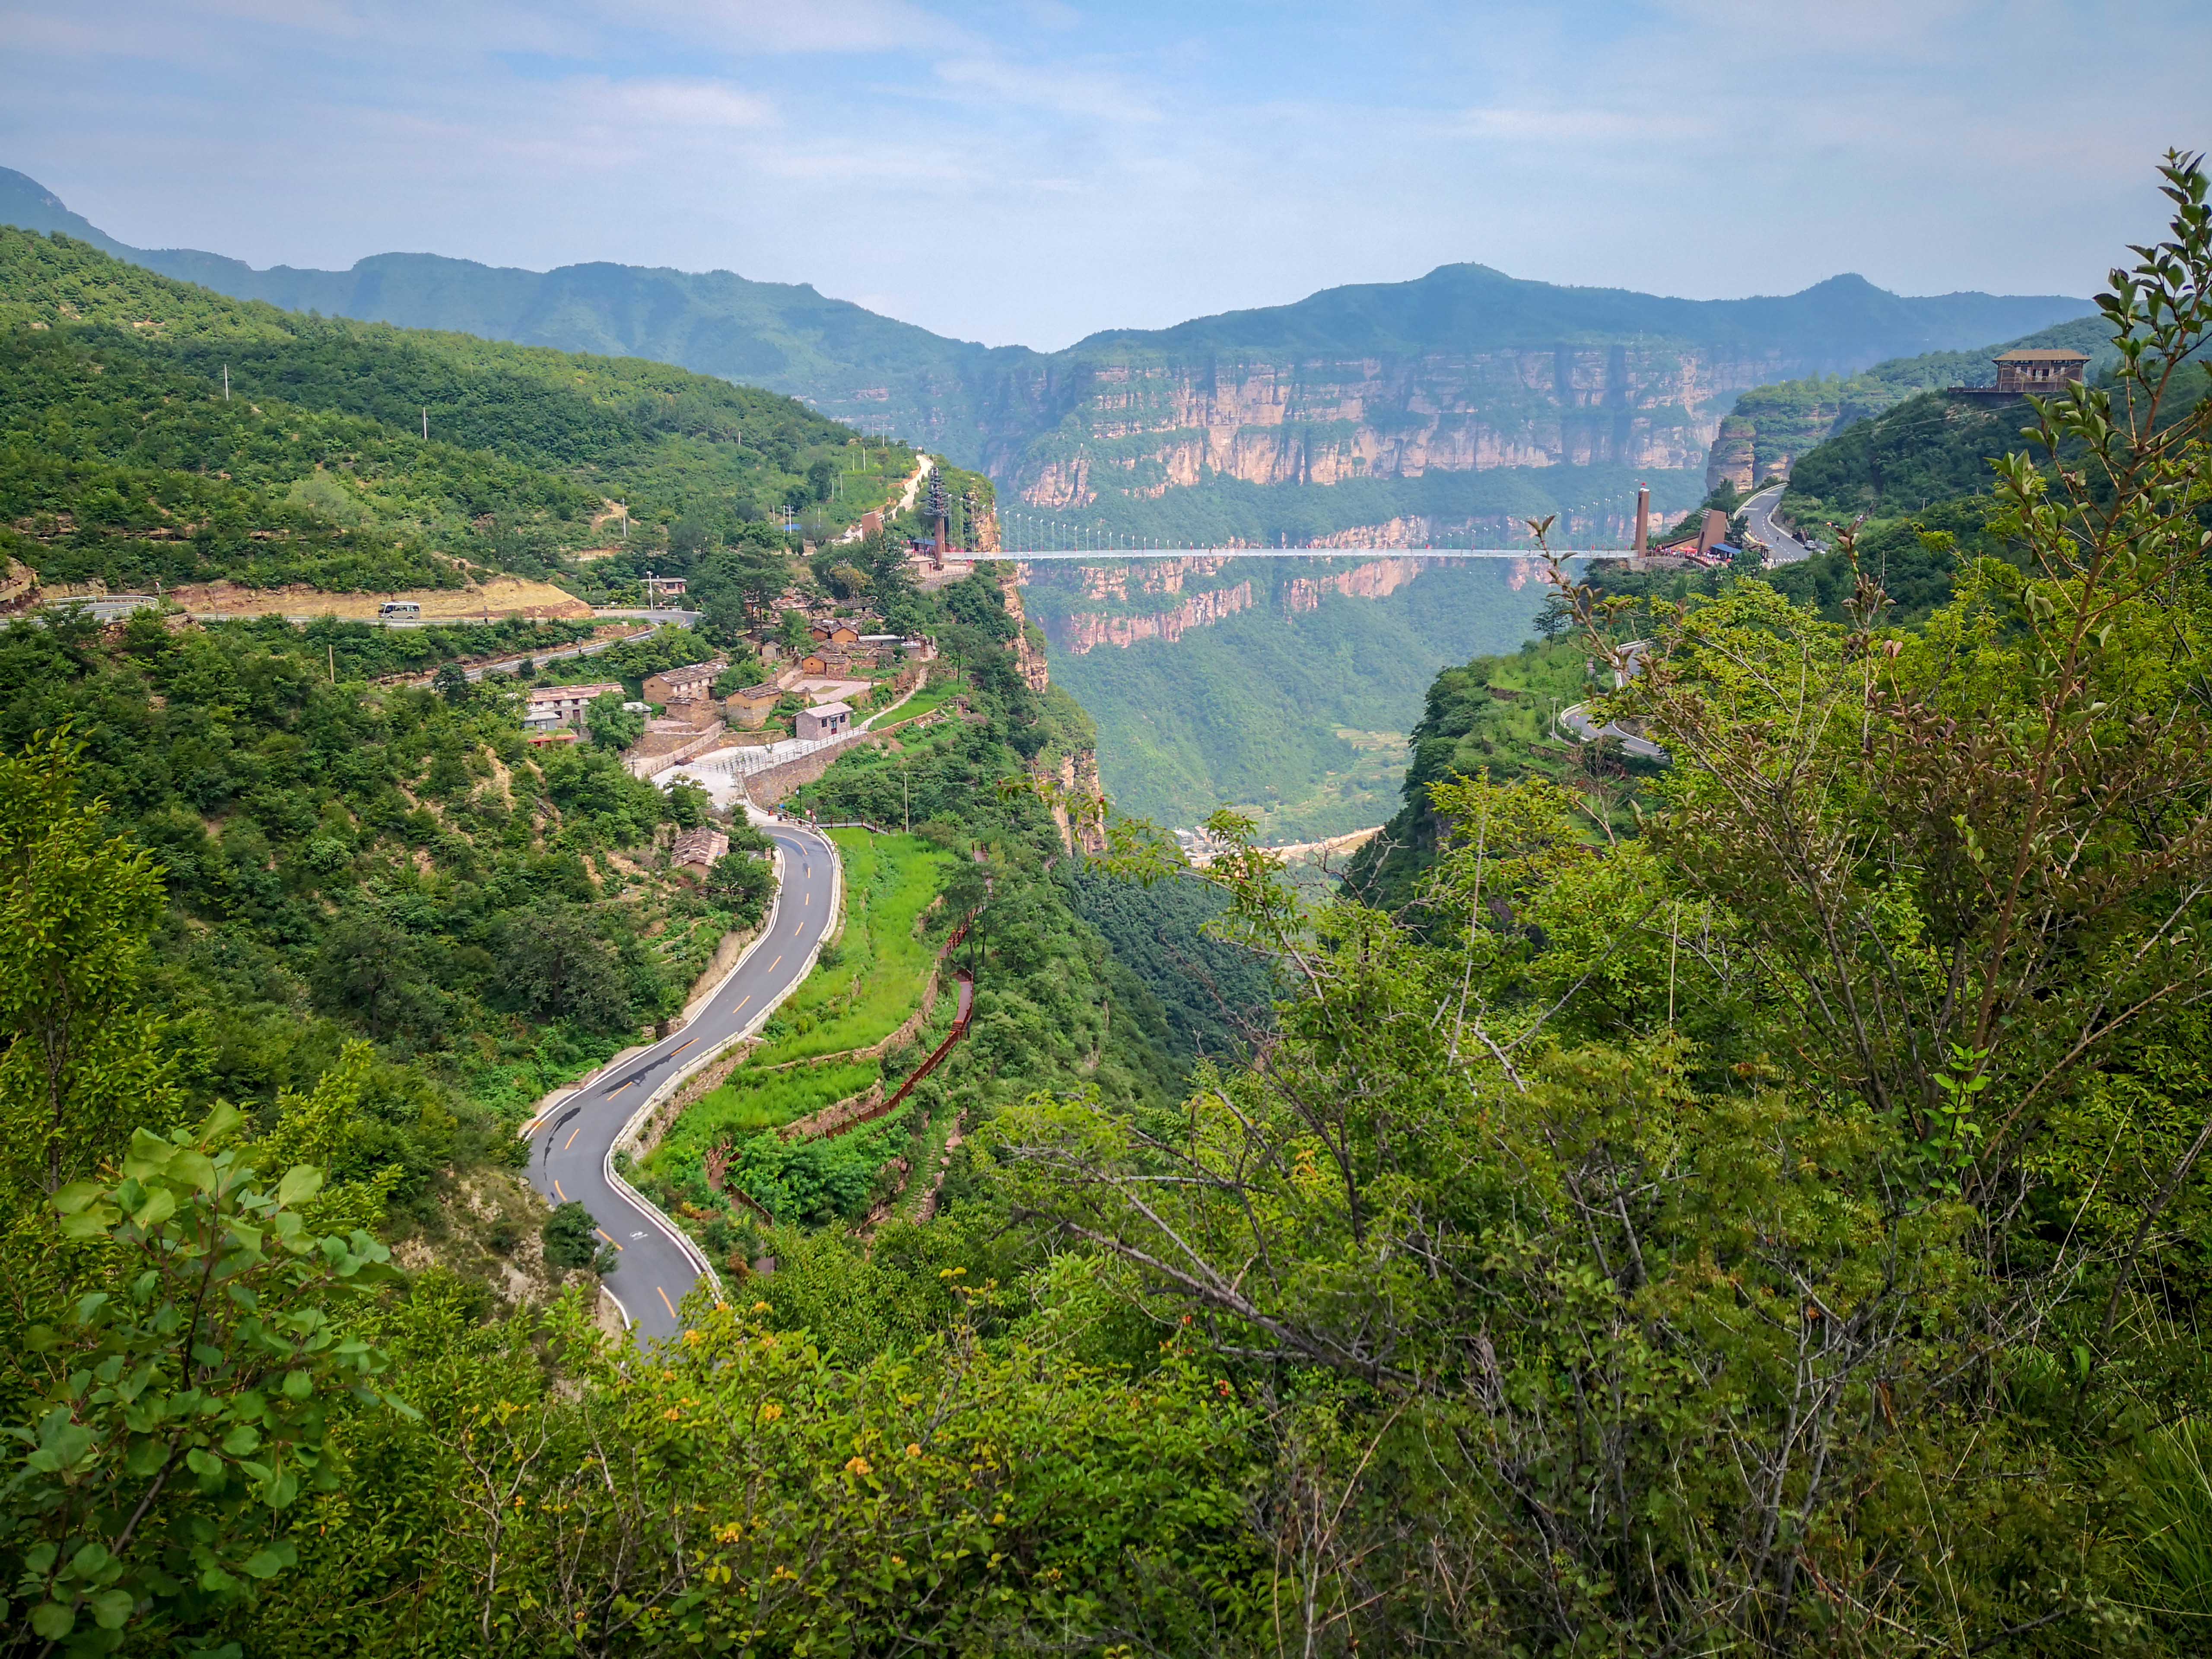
{"x":839,"y":666}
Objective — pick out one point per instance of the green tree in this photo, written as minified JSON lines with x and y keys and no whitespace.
{"x":612,"y":725}
{"x":174,"y":1357}
{"x":374,"y":971}
{"x":688,"y":804}
{"x":554,"y":965}
{"x":80,"y":1067}
{"x":743,"y":882}
{"x":572,"y":1240}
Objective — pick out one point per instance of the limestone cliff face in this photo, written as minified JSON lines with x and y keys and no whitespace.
{"x":1163,"y":599}
{"x":1144,"y":429}
{"x":1029,"y":651}
{"x":1374,"y":579}
{"x":1083,"y":631}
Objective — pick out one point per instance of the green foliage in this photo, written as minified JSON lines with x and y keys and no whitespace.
{"x":612,"y":725}
{"x":1214,"y":995}
{"x":364,"y":853}
{"x":1492,"y":719}
{"x":1927,"y":449}
{"x":742,"y":883}
{"x":172,"y":1365}
{"x":572,"y":1238}
{"x":742,"y":1493}
{"x":814,"y":1181}
{"x":80,"y":1067}
{"x":122,"y":455}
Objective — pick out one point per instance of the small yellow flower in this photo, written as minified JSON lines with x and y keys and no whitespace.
{"x":912,"y":1450}
{"x":690,"y":1337}
{"x":760,"y":1307}
{"x":770,"y":1411}
{"x":857,"y":1466}
{"x":672,"y":1414}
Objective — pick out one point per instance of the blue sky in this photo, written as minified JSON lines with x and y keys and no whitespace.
{"x":1033,"y":170}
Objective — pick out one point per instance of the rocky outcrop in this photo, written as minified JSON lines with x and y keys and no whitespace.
{"x":1374,"y":579}
{"x":1088,"y":630}
{"x":1029,"y":640}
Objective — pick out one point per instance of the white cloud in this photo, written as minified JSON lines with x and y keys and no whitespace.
{"x":1090,"y":93}
{"x":707,"y":104}
{"x":779,"y":27}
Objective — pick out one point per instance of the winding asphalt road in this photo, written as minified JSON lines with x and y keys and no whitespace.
{"x":572,"y":1142}
{"x":1574,"y":719}
{"x":1782,"y":547}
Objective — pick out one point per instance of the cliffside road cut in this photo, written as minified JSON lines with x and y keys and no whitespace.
{"x":572,"y":1141}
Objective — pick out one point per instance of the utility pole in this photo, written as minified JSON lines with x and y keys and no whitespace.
{"x":225,"y":383}
{"x":426,"y":424}
{"x":333,"y":652}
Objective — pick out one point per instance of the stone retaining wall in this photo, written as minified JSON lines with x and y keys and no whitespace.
{"x":772,"y":783}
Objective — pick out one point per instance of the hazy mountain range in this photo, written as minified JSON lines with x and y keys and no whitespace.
{"x":1451,"y":405}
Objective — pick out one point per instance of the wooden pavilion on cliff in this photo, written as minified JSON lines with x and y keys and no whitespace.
{"x":2040,"y":370}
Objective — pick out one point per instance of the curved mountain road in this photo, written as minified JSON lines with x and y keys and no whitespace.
{"x":1782,"y":547}
{"x":572,"y":1141}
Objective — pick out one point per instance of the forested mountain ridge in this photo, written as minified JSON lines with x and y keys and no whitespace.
{"x":152,"y":430}
{"x":1772,"y":425}
{"x":1241,"y":427}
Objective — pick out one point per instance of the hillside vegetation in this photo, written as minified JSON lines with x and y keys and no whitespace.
{"x":123,"y":460}
{"x":1771,"y":424}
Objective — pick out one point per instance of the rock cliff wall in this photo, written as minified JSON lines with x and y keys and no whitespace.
{"x":1083,"y":631}
{"x":1146,"y":429}
{"x":1130,"y":596}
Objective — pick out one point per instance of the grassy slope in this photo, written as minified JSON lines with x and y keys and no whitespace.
{"x":865,"y":988}
{"x":1252,"y":711}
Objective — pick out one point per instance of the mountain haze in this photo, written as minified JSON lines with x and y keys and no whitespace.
{"x":1237,"y":428}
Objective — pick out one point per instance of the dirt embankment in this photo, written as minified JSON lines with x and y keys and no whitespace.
{"x":503,"y":596}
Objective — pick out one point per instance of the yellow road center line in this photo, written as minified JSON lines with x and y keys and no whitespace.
{"x":619,"y":1087}
{"x":739,"y":1003}
{"x":771,"y":967}
{"x":610,"y":1238}
{"x":558,"y":1193}
{"x":571,"y":1140}
{"x":681,"y":1046}
{"x":665,"y":1302}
